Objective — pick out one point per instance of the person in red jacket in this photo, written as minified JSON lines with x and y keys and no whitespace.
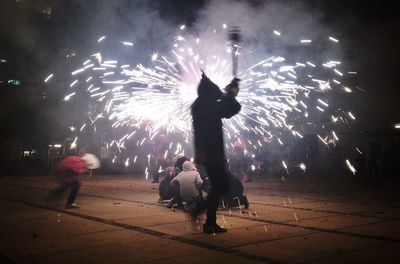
{"x":68,"y":172}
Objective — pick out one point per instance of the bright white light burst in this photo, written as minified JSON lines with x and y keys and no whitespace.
{"x":280,"y":97}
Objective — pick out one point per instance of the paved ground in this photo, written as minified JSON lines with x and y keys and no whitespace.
{"x":294,"y":221}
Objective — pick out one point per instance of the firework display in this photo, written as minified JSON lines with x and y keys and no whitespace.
{"x":283,"y":98}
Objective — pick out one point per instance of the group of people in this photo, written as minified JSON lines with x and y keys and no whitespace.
{"x":207,"y":111}
{"x":185,"y":186}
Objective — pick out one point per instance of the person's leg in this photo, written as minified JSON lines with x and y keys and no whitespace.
{"x":212,"y":205}
{"x":154,"y":171}
{"x":156,"y":176}
{"x":177,"y":199}
{"x":60,"y":189}
{"x":200,"y":205}
{"x":75,"y":185}
{"x":219,"y":186}
{"x":244,"y":201}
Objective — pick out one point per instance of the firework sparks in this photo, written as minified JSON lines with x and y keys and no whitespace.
{"x":127,"y":43}
{"x":351,"y":167}
{"x":143,"y":101}
{"x":303,"y":167}
{"x":48,"y":78}
{"x":333,"y":39}
{"x":359,"y":151}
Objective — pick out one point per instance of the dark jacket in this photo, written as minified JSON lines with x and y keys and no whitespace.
{"x":208,"y":109}
{"x":234,"y":197}
{"x":165,"y":190}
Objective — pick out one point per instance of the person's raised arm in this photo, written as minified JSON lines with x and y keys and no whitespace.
{"x":227,"y":106}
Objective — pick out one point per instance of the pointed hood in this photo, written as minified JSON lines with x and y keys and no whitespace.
{"x":207,"y":88}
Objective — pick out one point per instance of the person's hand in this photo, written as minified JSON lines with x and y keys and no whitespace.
{"x":233,"y":90}
{"x":233,"y":87}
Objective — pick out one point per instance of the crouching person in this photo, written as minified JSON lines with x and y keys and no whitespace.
{"x":165,"y":190}
{"x":190,"y":184}
{"x":234,"y":197}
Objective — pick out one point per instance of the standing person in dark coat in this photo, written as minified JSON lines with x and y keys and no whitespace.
{"x":208,"y":110}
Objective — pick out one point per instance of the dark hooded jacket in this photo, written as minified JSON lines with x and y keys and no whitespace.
{"x":208,"y":109}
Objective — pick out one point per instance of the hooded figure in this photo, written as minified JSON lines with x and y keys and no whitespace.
{"x":208,"y":110}
{"x":179,"y":164}
{"x":165,"y":190}
{"x":189,"y":181}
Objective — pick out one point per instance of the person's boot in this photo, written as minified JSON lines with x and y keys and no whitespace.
{"x":245,"y":202}
{"x":211,"y":229}
{"x":72,"y":206}
{"x":180,"y":205}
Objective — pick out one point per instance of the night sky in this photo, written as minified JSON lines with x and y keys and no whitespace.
{"x":37,"y":35}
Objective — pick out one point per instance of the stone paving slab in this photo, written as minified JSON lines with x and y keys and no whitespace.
{"x":393,"y":212}
{"x":339,"y":221}
{"x":308,"y":247}
{"x":114,"y":209}
{"x":45,"y":225}
{"x":390,"y":230}
{"x":252,"y":235}
{"x":383,"y":253}
{"x":348,"y":207}
{"x":182,"y":228}
{"x":286,"y":214}
{"x":277,"y":200}
{"x":210,"y":257}
{"x":153,"y":220}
